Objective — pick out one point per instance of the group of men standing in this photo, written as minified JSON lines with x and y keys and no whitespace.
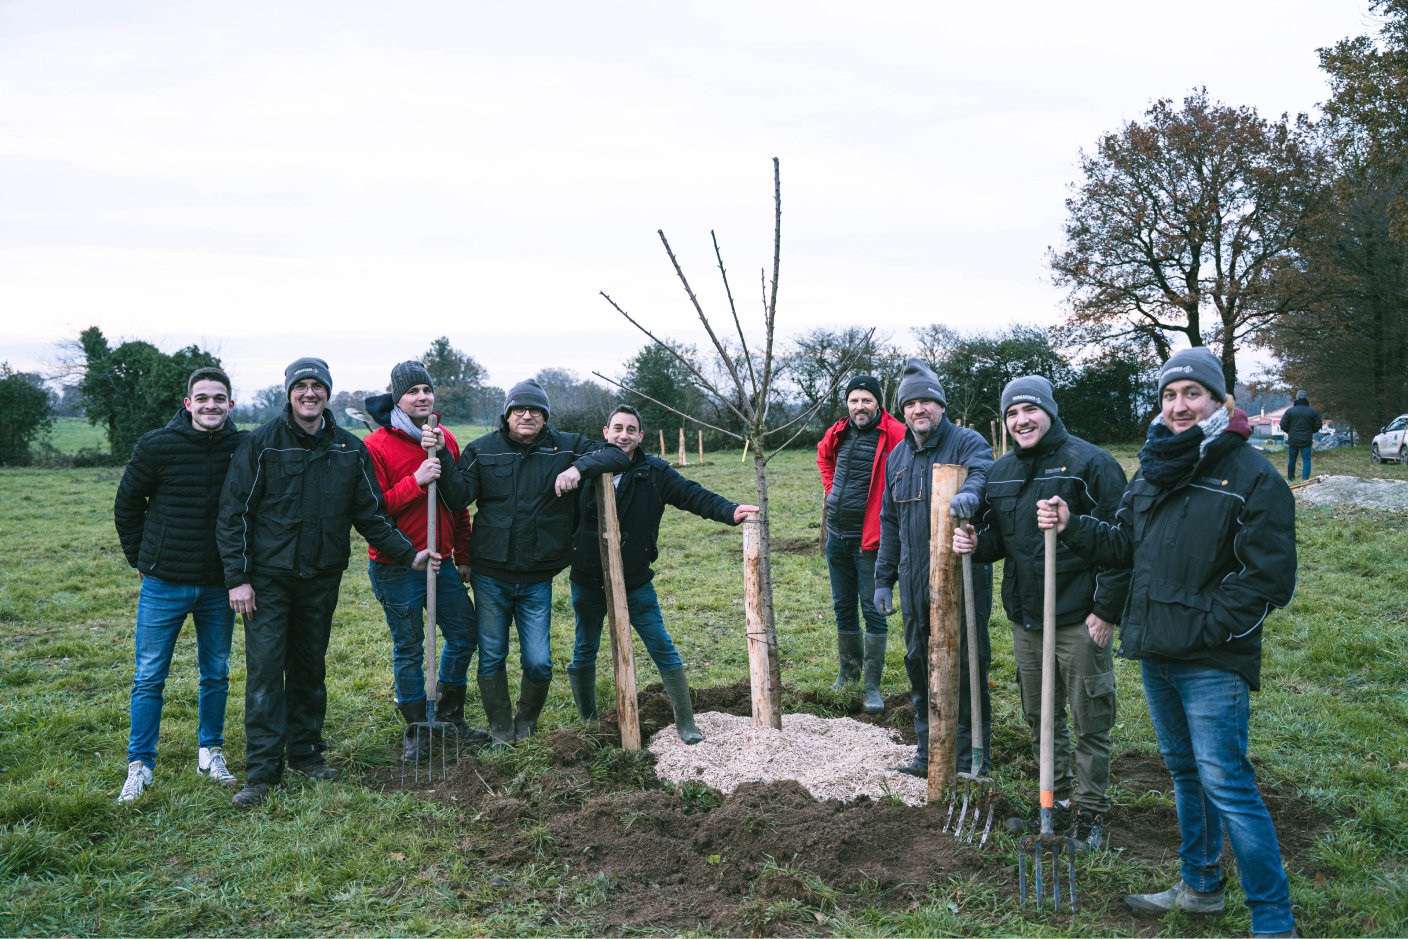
{"x":1186,"y":560}
{"x":219,"y":521}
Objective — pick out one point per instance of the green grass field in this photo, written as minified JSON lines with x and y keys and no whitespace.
{"x":1331,"y":725}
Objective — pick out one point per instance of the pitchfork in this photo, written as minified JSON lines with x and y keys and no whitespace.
{"x":1047,"y":838}
{"x":976,"y":788}
{"x":431,"y":725}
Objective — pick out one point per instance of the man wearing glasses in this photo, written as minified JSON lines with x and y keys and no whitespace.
{"x":904,"y":550}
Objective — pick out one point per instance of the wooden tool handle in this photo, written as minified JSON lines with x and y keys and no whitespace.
{"x":432,"y":512}
{"x":975,"y":691}
{"x":1048,"y":676}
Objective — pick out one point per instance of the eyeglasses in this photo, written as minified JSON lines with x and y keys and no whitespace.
{"x":899,"y":482}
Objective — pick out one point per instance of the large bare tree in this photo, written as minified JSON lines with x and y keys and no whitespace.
{"x":1187,"y":223}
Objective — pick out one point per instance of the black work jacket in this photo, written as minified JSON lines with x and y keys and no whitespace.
{"x":287,"y":509}
{"x":522,"y":530}
{"x":642,"y":493}
{"x":1092,"y":483}
{"x":169,"y":498}
{"x":1299,"y":424}
{"x":1211,"y":556}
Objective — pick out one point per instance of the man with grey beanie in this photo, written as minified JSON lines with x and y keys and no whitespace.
{"x":1049,"y":461}
{"x":521,"y":478}
{"x":903,"y":556}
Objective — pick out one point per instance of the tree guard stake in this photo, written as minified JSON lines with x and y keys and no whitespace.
{"x":623,"y":660}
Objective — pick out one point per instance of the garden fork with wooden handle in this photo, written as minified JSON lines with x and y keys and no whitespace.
{"x":977,"y":787}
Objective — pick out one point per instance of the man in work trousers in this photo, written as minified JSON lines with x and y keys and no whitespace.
{"x":851,"y":457}
{"x":403,"y":470}
{"x":904,"y":552}
{"x":642,"y":493}
{"x":165,"y":516}
{"x":1048,"y":461}
{"x":521,"y":477}
{"x":1300,"y":424}
{"x":296,"y":487}
{"x":1210,"y":535}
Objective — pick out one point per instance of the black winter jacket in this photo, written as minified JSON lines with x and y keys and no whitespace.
{"x":169,"y":498}
{"x":641,"y":496}
{"x":1211,"y":556}
{"x":1092,"y":483}
{"x":850,"y":487}
{"x":1299,"y":424}
{"x":522,"y":531}
{"x":291,"y":500}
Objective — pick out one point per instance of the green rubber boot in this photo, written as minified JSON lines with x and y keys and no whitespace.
{"x":848,"y":653}
{"x":677,"y":687}
{"x":583,"y":684}
{"x":874,"y":668}
{"x":493,"y":693}
{"x":531,"y":697}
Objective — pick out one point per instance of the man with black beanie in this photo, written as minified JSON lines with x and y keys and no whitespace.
{"x":1050,"y":461}
{"x":1300,"y":424}
{"x":851,"y":457}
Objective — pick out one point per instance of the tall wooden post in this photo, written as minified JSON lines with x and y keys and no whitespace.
{"x":623,"y":660}
{"x":683,"y":461}
{"x":701,"y":446}
{"x":759,"y":665}
{"x":1004,"y":437}
{"x":662,"y":443}
{"x":432,"y":515}
{"x":993,"y":428}
{"x":944,"y":582}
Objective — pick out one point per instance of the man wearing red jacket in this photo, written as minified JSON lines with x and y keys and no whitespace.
{"x":851,"y":458}
{"x":404,"y":473}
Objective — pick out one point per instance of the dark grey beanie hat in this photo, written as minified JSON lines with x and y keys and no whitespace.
{"x":1029,"y":389}
{"x":406,"y":376}
{"x":526,"y":394}
{"x":919,"y":381}
{"x":307,"y":367}
{"x":1199,"y":364}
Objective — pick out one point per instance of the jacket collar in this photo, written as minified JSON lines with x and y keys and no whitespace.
{"x":1052,"y":439}
{"x":323,"y":435}
{"x":181,"y":423}
{"x":940,"y":433}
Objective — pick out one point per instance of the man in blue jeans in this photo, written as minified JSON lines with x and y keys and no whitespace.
{"x":165,"y":516}
{"x":642,"y":493}
{"x":1300,"y":424}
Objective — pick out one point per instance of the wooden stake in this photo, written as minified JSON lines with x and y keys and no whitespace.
{"x":683,"y":461}
{"x":993,"y":428}
{"x":701,"y":446}
{"x":1046,"y":766}
{"x":431,"y":517}
{"x":662,"y":443}
{"x":1004,"y":437}
{"x":623,"y":658}
{"x":944,"y":581}
{"x":759,"y":665}
{"x":744,"y":458}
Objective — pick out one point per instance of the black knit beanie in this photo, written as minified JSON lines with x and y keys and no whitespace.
{"x":526,"y":394}
{"x":864,"y":383}
{"x":406,"y":376}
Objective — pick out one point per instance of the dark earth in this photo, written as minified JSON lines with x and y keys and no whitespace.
{"x":770,"y":859}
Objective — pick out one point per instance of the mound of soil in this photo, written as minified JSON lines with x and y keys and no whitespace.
{"x":1389,"y":495}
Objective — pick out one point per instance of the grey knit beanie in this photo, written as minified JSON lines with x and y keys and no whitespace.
{"x":526,"y":394}
{"x":1199,"y":364}
{"x":307,"y":367}
{"x":919,"y":381}
{"x":1029,"y":389}
{"x":406,"y":376}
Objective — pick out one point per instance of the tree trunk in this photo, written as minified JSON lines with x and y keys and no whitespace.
{"x":1229,"y":360}
{"x":765,"y":549}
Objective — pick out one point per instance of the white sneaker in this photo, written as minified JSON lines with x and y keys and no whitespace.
{"x":138,"y":778}
{"x":211,"y":761}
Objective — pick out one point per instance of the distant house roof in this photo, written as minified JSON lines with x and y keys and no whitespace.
{"x":1270,"y":417}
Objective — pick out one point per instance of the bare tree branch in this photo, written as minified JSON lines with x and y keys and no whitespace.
{"x":667,"y":407}
{"x":776,"y":269}
{"x":784,"y":445}
{"x":723,"y":353}
{"x":734,"y":310}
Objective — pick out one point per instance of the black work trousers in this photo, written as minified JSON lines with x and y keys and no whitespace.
{"x":285,"y":694}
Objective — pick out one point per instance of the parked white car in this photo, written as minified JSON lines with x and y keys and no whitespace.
{"x":1392,"y":442}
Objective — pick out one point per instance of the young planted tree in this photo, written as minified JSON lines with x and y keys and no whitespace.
{"x":746,"y":394}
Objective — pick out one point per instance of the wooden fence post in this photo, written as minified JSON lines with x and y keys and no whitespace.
{"x":701,"y":446}
{"x":944,"y":602}
{"x":623,"y":660}
{"x":662,"y":443}
{"x":994,"y":437}
{"x":759,"y":672}
{"x":683,"y":461}
{"x":1004,"y":437}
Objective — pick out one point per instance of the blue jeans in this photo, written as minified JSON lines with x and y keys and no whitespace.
{"x":1200,"y":716}
{"x":401,"y":592}
{"x":852,"y":578}
{"x":529,"y":606}
{"x":589,"y":603}
{"x":1304,"y":462}
{"x":162,"y":609}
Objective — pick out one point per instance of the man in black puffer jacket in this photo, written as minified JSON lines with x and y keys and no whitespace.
{"x":1048,"y":461}
{"x":165,"y":515}
{"x":642,"y":493}
{"x":1209,"y":532}
{"x":296,"y":487}
{"x":521,"y":477}
{"x":1300,"y":424}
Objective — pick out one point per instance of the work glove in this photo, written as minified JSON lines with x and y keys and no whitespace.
{"x":963,"y":505}
{"x":884,"y":600}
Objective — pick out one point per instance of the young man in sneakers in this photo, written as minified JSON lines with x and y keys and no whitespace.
{"x":404,"y":472}
{"x":165,"y":516}
{"x":1209,"y":531}
{"x":1050,"y":461}
{"x":642,"y":493}
{"x":296,"y":487}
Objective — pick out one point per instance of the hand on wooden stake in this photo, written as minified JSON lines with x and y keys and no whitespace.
{"x":1053,"y":513}
{"x":965,"y":540}
{"x":426,"y":558}
{"x":742,"y":512}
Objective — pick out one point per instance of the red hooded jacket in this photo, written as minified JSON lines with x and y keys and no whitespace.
{"x":396,"y":458}
{"x":891,"y":433}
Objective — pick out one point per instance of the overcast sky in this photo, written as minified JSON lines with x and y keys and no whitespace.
{"x":350,"y":179}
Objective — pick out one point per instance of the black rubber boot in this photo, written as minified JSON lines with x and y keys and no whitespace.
{"x":450,"y":709}
{"x":493,"y":692}
{"x":583,"y":684}
{"x":413,"y":745}
{"x":874,"y":668}
{"x":848,"y":653}
{"x":531,"y":697}
{"x":677,"y":687}
{"x":918,"y":679}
